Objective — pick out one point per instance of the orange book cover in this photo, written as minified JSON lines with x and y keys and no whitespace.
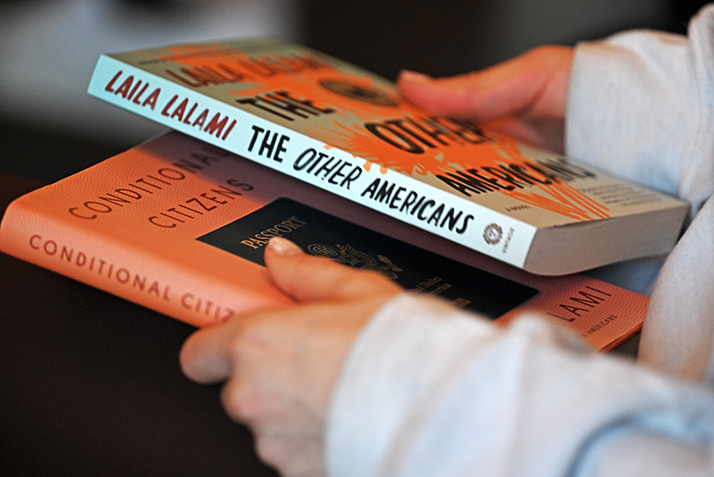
{"x":179,"y":226}
{"x":343,"y":129}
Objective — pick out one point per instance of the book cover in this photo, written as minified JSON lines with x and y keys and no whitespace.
{"x":179,"y":226}
{"x":346,"y":130}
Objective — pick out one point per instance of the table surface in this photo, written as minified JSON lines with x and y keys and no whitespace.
{"x":90,"y":384}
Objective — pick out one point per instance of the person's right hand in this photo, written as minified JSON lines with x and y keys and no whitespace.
{"x":524,"y":97}
{"x":280,"y":365}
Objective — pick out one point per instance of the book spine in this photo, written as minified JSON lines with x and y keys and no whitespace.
{"x":312,"y":161}
{"x":601,"y":314}
{"x":113,"y":266}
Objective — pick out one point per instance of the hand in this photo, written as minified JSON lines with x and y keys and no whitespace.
{"x":280,"y":365}
{"x":524,"y":97}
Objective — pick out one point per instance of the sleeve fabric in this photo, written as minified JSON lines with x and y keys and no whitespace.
{"x":430,"y":390}
{"x":667,"y":83}
{"x":641,"y":104}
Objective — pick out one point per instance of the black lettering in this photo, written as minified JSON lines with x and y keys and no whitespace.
{"x":394,"y":137}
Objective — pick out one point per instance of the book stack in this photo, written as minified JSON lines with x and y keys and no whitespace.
{"x":271,"y":139}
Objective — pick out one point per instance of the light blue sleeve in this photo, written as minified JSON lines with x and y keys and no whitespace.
{"x":641,"y":104}
{"x":428,"y":390}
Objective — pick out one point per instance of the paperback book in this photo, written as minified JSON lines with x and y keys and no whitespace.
{"x":348,"y":131}
{"x":179,"y":226}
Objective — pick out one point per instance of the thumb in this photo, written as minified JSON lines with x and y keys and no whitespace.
{"x":310,"y":278}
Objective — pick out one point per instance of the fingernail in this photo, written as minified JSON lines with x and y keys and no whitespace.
{"x":414,"y":77}
{"x":283,"y":247}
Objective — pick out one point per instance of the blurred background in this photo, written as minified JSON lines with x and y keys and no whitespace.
{"x":50,"y":127}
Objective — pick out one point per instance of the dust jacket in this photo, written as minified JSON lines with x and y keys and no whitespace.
{"x":343,"y":129}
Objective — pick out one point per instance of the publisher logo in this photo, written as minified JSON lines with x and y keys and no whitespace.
{"x":492,"y":234}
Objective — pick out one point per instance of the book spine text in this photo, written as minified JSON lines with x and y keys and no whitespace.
{"x":312,"y":161}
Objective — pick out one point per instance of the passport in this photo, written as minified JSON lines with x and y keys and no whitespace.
{"x":414,"y":269}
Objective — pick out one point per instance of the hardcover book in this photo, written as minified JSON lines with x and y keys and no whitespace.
{"x":345,"y":130}
{"x":179,"y":226}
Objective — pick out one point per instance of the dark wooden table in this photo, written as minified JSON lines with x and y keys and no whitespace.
{"x":90,"y":384}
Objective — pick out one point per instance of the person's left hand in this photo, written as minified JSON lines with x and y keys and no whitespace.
{"x":281,"y":365}
{"x":524,"y":97}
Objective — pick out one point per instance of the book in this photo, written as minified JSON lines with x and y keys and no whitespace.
{"x":341,"y":128}
{"x":179,"y":226}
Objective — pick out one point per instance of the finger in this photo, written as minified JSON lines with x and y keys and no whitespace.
{"x":206,"y":356}
{"x":534,"y":79}
{"x":547,"y":133}
{"x":478,"y":96}
{"x":241,"y":401}
{"x":293,"y":455}
{"x":309,"y":278}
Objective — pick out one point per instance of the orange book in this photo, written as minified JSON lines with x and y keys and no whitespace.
{"x":343,"y":129}
{"x":179,"y":226}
